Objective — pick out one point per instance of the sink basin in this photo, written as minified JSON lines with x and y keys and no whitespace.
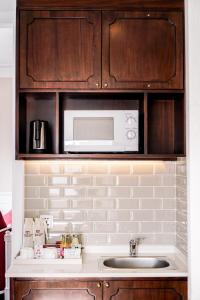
{"x":136,"y":263}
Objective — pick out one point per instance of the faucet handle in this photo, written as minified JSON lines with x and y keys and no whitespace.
{"x":136,"y":240}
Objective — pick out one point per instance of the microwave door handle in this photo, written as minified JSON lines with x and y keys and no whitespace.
{"x":37,"y":133}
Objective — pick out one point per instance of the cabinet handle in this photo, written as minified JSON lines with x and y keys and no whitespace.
{"x":148,"y":85}
{"x":107,"y":285}
{"x":99,"y":285}
{"x":97,"y":84}
{"x":105,"y":85}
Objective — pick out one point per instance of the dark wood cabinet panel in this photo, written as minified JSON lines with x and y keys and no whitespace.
{"x":145,"y":290}
{"x":142,"y":50}
{"x":61,"y":290}
{"x":60,"y":49}
{"x":100,"y":4}
{"x":118,"y":289}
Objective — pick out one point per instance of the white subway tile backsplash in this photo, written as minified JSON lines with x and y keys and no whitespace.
{"x":82,"y":203}
{"x":150,"y":180}
{"x":74,"y":215}
{"x":35,"y":180}
{"x":35,"y":203}
{"x":95,"y":192}
{"x":119,"y":239}
{"x":51,"y":168}
{"x":120,"y":168}
{"x":165,"y":192}
{"x":60,"y":226}
{"x":128,"y":227}
{"x":96,"y":215}
{"x":128,"y":180}
{"x":110,"y":202}
{"x":105,"y":227}
{"x":169,"y":203}
{"x":105,"y":180}
{"x":102,"y":203}
{"x":32,"y":168}
{"x":151,"y":203}
{"x":58,"y":180}
{"x":95,"y":239}
{"x":98,"y":168}
{"x":143,"y":215}
{"x":122,"y":215}
{"x":74,"y":192}
{"x":142,"y":168}
{"x":165,"y":215}
{"x":131,"y":203}
{"x":169,"y":227}
{"x":58,"y":203}
{"x":150,"y":227}
{"x":81,"y":227}
{"x":81,"y":180}
{"x":32,"y":192}
{"x":143,"y":192}
{"x":72,"y":169}
{"x":165,"y":239}
{"x":49,"y":192}
{"x":120,"y":192}
{"x":165,"y":168}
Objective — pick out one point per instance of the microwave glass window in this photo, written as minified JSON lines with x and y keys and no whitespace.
{"x":93,"y":128}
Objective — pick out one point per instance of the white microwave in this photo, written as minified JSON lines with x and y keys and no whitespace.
{"x":101,"y":130}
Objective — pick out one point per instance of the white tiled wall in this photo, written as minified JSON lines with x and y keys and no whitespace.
{"x":108,"y":202}
{"x":181,"y":212}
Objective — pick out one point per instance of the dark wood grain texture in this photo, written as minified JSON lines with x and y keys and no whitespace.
{"x":145,"y":290}
{"x":93,"y":54}
{"x":60,"y":49}
{"x":58,"y":289}
{"x":142,"y":50}
{"x":105,"y":4}
{"x":165,"y":124}
{"x":37,"y":106}
{"x":101,"y":289}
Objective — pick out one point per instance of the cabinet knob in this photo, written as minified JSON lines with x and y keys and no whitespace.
{"x":105,"y":85}
{"x":107,"y":285}
{"x":97,"y":84}
{"x":148,"y":85}
{"x":99,"y":285}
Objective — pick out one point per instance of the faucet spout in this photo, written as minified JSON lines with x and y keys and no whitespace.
{"x":133,"y":246}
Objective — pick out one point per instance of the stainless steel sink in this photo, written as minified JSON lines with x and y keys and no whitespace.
{"x":136,"y":262}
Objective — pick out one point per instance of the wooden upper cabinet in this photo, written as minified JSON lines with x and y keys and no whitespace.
{"x":142,"y":50}
{"x":60,"y":49}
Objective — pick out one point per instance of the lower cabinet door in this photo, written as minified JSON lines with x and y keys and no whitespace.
{"x":145,"y":290}
{"x":56,"y":290}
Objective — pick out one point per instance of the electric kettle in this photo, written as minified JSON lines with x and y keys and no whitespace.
{"x":38,"y":136}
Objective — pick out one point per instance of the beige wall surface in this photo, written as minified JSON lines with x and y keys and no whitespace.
{"x":6,"y":134}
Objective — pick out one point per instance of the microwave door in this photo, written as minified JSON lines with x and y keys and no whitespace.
{"x":89,"y":131}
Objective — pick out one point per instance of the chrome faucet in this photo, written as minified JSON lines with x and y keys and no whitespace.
{"x":133,"y":246}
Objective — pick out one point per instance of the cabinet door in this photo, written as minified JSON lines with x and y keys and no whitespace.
{"x":145,"y":290}
{"x":60,"y":49}
{"x":60,"y":289}
{"x":142,"y":50}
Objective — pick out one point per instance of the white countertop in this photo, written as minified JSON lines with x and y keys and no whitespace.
{"x":92,"y":267}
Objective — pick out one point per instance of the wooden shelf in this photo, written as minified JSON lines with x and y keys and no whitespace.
{"x":161,"y":122}
{"x":100,"y":156}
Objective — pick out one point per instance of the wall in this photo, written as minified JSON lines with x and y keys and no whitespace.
{"x":6,"y":144}
{"x":109,"y":202}
{"x":181,"y":206}
{"x":193,"y":142}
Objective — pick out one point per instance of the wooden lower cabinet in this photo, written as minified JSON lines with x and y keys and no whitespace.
{"x":56,"y":290}
{"x":145,"y":290}
{"x":118,"y":289}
